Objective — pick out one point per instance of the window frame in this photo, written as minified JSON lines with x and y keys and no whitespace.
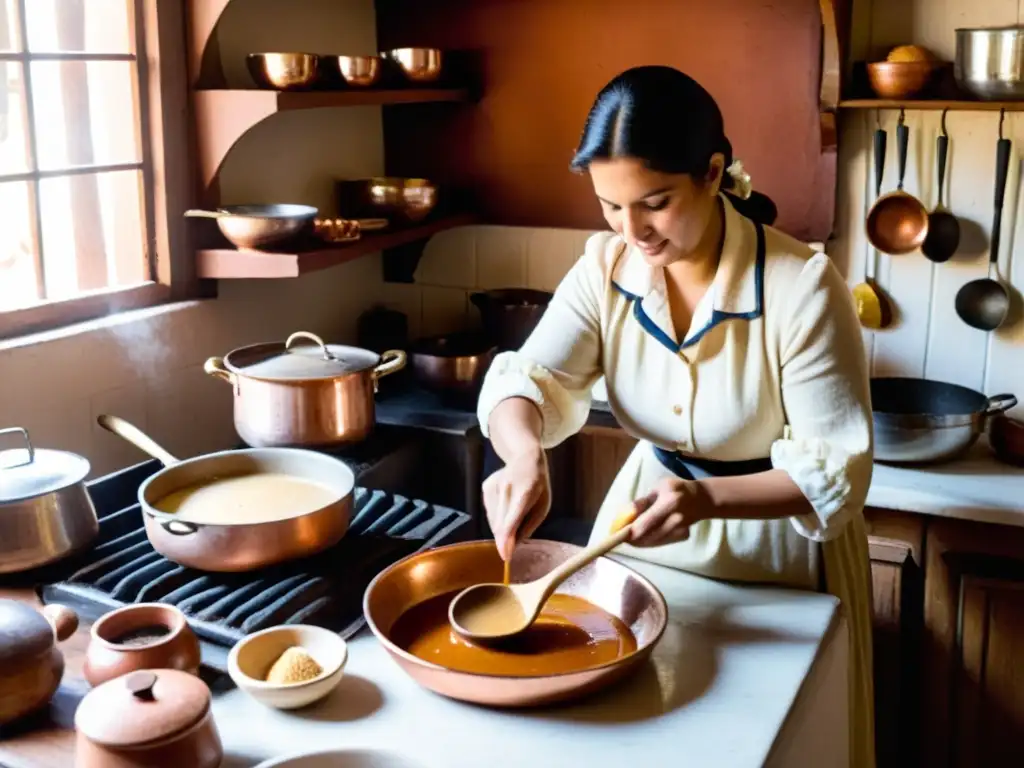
{"x":165,"y":132}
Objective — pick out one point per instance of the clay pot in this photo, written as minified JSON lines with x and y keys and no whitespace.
{"x":31,"y":666}
{"x":140,"y":636}
{"x":157,"y":718}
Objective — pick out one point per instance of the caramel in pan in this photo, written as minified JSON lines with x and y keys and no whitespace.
{"x":571,"y":634}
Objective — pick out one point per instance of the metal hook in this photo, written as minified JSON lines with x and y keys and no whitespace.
{"x":903,"y":116}
{"x":944,"y":133}
{"x":1002,"y":116}
{"x":878,"y":118}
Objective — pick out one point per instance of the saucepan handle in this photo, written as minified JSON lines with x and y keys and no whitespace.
{"x":1000,"y":404}
{"x":178,"y":527}
{"x":391,"y":361}
{"x":24,"y":435}
{"x":214,"y":366}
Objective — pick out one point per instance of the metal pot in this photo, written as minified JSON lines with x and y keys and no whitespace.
{"x":922,"y":421}
{"x":989,"y":62}
{"x":509,"y":315}
{"x":233,"y":547}
{"x":46,"y":512}
{"x":454,"y":363}
{"x":318,"y":396}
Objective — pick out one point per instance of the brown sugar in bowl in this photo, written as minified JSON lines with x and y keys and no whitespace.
{"x":140,"y":636}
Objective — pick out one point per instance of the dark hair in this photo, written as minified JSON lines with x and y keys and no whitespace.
{"x":666,"y":119}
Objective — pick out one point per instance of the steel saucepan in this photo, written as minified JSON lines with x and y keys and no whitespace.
{"x":509,"y":315}
{"x":314,"y":396}
{"x":232,"y":547}
{"x":606,"y":583}
{"x":920,"y":421}
{"x":453,"y":364}
{"x":988,"y":62}
{"x":46,"y":512}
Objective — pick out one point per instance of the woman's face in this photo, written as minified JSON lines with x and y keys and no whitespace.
{"x":664,"y":215}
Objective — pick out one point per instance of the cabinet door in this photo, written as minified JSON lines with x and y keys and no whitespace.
{"x":973,"y":693}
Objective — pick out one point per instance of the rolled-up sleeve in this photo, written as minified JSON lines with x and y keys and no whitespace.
{"x":560,"y":361}
{"x":828,"y":449}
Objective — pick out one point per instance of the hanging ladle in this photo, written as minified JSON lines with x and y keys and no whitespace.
{"x":943,"y":236}
{"x":984,"y":303}
{"x":873,"y":309}
{"x":898,"y":222}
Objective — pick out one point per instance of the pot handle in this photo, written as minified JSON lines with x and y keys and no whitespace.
{"x":178,"y":527}
{"x":214,"y":366}
{"x":1000,"y":404}
{"x":391,"y":361}
{"x":28,"y":441}
{"x":311,"y":337}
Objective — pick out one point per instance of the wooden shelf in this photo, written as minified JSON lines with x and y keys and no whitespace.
{"x":223,"y":116}
{"x":229,"y":263}
{"x":933,"y":104}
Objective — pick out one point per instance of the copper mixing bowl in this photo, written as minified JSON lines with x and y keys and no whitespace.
{"x":282,"y":70}
{"x":419,"y":65}
{"x":412,"y":199}
{"x":899,"y":79}
{"x":360,"y":71}
{"x":606,"y":583}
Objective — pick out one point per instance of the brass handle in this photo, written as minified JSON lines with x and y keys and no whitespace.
{"x":214,"y":366}
{"x":391,"y":361}
{"x":312,"y":337}
{"x":127,"y":431}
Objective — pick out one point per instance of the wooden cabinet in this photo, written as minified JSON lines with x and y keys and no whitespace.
{"x":972,"y":689}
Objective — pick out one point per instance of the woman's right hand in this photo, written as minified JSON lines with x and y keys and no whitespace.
{"x":517,"y":498}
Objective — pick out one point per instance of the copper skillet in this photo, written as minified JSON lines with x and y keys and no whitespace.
{"x":239,"y":546}
{"x":606,"y":583}
{"x":897,"y":223}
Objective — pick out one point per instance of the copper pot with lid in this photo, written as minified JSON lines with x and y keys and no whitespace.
{"x":317,"y":396}
{"x":154,"y":718}
{"x":31,"y":665}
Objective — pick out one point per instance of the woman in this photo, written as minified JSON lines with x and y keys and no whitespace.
{"x":730,"y":349}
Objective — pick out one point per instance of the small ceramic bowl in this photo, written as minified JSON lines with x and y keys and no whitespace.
{"x":341,"y":758}
{"x":251,"y":658}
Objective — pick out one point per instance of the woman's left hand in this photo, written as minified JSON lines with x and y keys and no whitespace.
{"x":665,"y":515}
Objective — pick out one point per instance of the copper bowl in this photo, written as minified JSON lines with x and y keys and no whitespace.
{"x":411,"y":199}
{"x":897,"y":223}
{"x":360,"y":71}
{"x":453,"y":363}
{"x":282,"y":70}
{"x":606,"y":583}
{"x":419,"y":65}
{"x":899,"y":79}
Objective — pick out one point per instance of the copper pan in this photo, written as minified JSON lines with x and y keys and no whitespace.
{"x":606,"y":583}
{"x":897,"y":223}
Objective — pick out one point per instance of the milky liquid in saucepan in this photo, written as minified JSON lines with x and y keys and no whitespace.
{"x":257,"y":498}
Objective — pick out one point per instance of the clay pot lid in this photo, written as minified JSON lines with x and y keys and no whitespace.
{"x":142,"y":707}
{"x":288,"y":361}
{"x":24,"y":633}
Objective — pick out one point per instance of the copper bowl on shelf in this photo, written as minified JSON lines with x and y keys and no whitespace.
{"x":899,"y":79}
{"x":358,"y":71}
{"x":606,"y":583}
{"x":418,"y":65}
{"x":282,"y":71}
{"x":411,"y":199}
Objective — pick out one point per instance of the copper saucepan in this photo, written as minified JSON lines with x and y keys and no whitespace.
{"x":606,"y":583}
{"x":233,"y":547}
{"x":897,"y":223}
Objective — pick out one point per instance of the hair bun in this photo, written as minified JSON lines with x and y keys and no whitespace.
{"x":741,"y":185}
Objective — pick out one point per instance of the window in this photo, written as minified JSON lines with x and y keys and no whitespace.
{"x":81,"y":83}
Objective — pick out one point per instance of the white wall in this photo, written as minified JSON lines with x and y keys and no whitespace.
{"x":147,"y":367}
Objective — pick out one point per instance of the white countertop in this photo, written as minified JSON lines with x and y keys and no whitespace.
{"x":976,"y":487}
{"x":718,"y":689}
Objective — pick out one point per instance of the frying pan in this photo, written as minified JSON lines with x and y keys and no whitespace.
{"x":921,"y":421}
{"x":606,"y":583}
{"x":898,"y":222}
{"x":234,"y":547}
{"x":252,"y":227}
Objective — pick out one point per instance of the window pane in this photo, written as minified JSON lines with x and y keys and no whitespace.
{"x":92,"y":232}
{"x":13,"y":136}
{"x":84,"y":113}
{"x":9,"y":26}
{"x":96,"y":26}
{"x":17,"y":260}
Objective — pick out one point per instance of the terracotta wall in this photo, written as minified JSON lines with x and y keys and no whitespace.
{"x":147,"y":366}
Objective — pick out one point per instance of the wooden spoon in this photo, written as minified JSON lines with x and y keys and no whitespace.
{"x":873,"y":309}
{"x":495,"y":611}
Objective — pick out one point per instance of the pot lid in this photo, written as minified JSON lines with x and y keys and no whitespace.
{"x":142,"y":707}
{"x":291,"y":362}
{"x":28,"y":472}
{"x":24,"y":633}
